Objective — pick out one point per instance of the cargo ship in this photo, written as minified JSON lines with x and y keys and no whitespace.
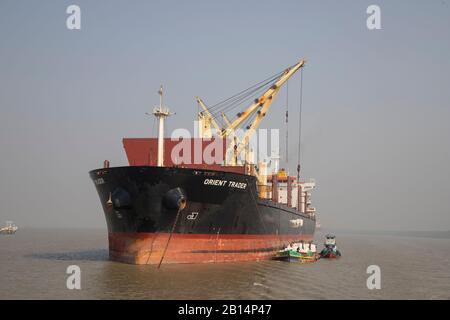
{"x":204,"y":199}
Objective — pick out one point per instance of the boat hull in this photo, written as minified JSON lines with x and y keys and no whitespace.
{"x":330,"y":256}
{"x":7,"y":232}
{"x":222,"y":220}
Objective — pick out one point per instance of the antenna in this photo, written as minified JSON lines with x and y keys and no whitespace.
{"x":161,"y":113}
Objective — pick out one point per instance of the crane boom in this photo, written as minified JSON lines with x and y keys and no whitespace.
{"x":225,"y":119}
{"x":266,"y":96}
{"x":261,"y":106}
{"x":259,"y":117}
{"x":208,"y":114}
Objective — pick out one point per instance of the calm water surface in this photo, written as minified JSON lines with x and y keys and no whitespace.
{"x":33,"y":265}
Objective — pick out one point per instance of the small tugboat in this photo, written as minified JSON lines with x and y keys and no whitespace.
{"x":330,"y":251}
{"x":298,"y":252}
{"x":10,"y":228}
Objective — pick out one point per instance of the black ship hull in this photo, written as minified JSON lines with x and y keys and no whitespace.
{"x":192,"y":215}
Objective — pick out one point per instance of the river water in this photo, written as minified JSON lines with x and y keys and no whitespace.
{"x":33,"y":265}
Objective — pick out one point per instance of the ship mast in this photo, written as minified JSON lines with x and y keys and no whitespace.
{"x":161,"y":113}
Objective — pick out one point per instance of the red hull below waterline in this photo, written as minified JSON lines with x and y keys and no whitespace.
{"x":148,"y":248}
{"x":331,"y":256}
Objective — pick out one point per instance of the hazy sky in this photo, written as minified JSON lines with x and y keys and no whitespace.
{"x":376,"y":108}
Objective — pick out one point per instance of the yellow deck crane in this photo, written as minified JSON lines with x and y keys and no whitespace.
{"x":205,"y":121}
{"x":260,"y":106}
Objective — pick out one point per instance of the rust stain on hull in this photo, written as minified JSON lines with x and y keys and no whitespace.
{"x":147,"y":248}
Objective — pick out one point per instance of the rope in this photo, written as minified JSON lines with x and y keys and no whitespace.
{"x":170,"y":236}
{"x":217,"y":245}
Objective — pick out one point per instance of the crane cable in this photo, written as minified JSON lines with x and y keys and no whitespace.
{"x":300,"y":124}
{"x":239,"y":98}
{"x":269,"y":79}
{"x":287,"y":125}
{"x":248,"y":95}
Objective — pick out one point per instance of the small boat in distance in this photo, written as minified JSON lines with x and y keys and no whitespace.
{"x":330,"y":251}
{"x":10,"y":228}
